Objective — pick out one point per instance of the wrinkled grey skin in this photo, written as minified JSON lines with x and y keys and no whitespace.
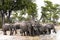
{"x":6,"y":27}
{"x":40,"y":29}
{"x":14,"y":28}
{"x":43,"y":29}
{"x":29,"y":25}
{"x":50,"y":27}
{"x":25,"y":27}
{"x":35,"y":27}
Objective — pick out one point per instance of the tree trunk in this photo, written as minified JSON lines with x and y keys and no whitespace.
{"x":2,"y":14}
{"x":8,"y":16}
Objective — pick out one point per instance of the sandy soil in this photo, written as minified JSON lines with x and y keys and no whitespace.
{"x":52,"y":36}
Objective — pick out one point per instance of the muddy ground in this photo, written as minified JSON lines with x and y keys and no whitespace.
{"x":52,"y":36}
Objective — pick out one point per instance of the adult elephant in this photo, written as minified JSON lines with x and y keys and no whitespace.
{"x":24,"y":26}
{"x":28,"y":27}
{"x":50,"y":27}
{"x":6,"y":27}
{"x":38,"y":28}
{"x":35,"y":27}
{"x":42,"y":29}
{"x":15,"y":27}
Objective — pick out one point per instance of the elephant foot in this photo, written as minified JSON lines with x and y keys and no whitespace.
{"x":54,"y":31}
{"x":24,"y":34}
{"x":5,"y":34}
{"x":11,"y":33}
{"x":15,"y":32}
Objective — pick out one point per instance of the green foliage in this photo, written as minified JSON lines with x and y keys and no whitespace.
{"x":32,"y":10}
{"x":25,"y":6}
{"x":50,"y":12}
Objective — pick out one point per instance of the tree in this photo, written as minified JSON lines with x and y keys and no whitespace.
{"x":7,"y":6}
{"x":50,"y":12}
{"x":32,"y":11}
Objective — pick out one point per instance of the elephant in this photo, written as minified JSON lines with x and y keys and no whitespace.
{"x":46,"y":29}
{"x":7,"y":27}
{"x":24,"y":26}
{"x":39,"y":28}
{"x":35,"y":27}
{"x":15,"y":27}
{"x":42,"y":29}
{"x":29,"y":25}
{"x":50,"y":27}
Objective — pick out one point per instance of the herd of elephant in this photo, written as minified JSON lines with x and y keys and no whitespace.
{"x":29,"y":28}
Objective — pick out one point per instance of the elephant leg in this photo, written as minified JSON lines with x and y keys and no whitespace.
{"x":54,"y":30}
{"x":21,"y":32}
{"x":33,"y":33}
{"x":24,"y":33}
{"x":5,"y":32}
{"x":46,"y":32}
{"x":37,"y":32}
{"x":15,"y":30}
{"x":49,"y":31}
{"x":11,"y":33}
{"x":29,"y":32}
{"x":11,"y":30}
{"x":43,"y":32}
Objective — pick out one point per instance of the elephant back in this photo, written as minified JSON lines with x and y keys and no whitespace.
{"x":23,"y":25}
{"x":49,"y":26}
{"x":6,"y":26}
